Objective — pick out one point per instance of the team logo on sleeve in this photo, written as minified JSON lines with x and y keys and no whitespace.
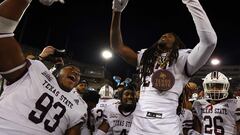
{"x":163,"y":80}
{"x":76,"y":101}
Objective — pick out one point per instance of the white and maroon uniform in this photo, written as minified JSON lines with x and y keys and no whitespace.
{"x":99,"y":109}
{"x":155,"y":113}
{"x":119,"y":123}
{"x":220,"y":118}
{"x":36,"y":105}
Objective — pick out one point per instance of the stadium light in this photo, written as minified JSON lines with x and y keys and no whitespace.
{"x":106,"y":54}
{"x":215,"y":61}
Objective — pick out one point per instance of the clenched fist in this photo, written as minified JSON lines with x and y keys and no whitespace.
{"x":119,"y":5}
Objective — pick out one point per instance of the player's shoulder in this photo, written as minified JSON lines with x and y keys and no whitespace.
{"x":113,"y":101}
{"x":38,"y":71}
{"x":81,"y":102}
{"x":233,"y":103}
{"x":232,"y":100}
{"x":36,"y":64}
{"x":74,"y":99}
{"x":112,"y":107}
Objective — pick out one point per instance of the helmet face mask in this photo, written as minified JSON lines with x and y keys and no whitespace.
{"x":216,"y":86}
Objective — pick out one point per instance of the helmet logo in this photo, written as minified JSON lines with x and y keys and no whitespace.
{"x":106,"y":90}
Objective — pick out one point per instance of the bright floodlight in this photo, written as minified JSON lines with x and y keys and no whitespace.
{"x":215,"y":61}
{"x":106,"y":54}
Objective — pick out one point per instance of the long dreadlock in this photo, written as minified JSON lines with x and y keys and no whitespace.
{"x":151,"y":54}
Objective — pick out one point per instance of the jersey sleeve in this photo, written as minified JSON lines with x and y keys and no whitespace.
{"x":181,"y":61}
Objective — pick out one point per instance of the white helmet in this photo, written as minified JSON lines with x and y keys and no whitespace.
{"x":216,"y":86}
{"x":106,"y":91}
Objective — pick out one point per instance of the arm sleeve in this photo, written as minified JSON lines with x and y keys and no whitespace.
{"x":207,"y":36}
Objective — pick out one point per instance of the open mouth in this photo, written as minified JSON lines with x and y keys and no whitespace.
{"x":129,"y":102}
{"x":72,"y":78}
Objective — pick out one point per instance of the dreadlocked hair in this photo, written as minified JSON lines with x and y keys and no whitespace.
{"x":151,"y":54}
{"x":181,"y":101}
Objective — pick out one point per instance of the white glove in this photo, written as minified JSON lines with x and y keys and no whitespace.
{"x":187,"y":1}
{"x":119,"y":5}
{"x":50,"y":2}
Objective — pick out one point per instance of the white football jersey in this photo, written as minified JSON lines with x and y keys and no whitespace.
{"x":186,"y":119}
{"x":119,"y":124}
{"x":99,"y":109}
{"x":218,"y":119}
{"x":154,"y":104}
{"x":36,"y":105}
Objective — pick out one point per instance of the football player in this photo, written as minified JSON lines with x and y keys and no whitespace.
{"x":34,"y":101}
{"x":106,"y":98}
{"x":91,"y":97}
{"x":118,"y":117}
{"x":165,"y":68}
{"x":218,"y":113}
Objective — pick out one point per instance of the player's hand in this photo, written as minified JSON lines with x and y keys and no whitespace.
{"x":50,"y":2}
{"x":119,"y":5}
{"x":49,"y":50}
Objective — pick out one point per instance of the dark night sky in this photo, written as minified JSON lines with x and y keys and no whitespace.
{"x":82,"y":27}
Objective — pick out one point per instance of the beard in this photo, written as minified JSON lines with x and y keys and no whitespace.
{"x":161,"y":44}
{"x":164,"y":47}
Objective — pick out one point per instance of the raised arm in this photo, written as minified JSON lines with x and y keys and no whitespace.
{"x":207,"y":37}
{"x":12,"y":60}
{"x":116,"y":41}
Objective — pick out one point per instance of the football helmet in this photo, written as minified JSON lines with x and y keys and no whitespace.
{"x":216,"y":86}
{"x":106,"y":91}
